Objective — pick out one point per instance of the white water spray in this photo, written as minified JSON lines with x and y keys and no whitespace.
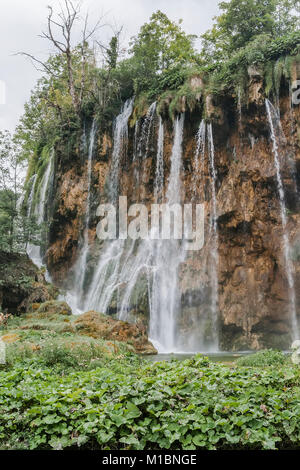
{"x":214,"y":241}
{"x":273,"y":122}
{"x":76,"y":296}
{"x":167,"y":257}
{"x":40,"y":209}
{"x":199,"y":157}
{"x":120,"y":147}
{"x":159,"y":173}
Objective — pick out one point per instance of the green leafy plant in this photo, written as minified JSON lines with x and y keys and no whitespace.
{"x":268,"y":357}
{"x":193,"y":404}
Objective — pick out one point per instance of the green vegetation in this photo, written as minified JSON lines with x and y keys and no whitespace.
{"x":13,"y":227}
{"x":54,"y":401}
{"x":159,"y":53}
{"x":242,"y":21}
{"x":62,"y":389}
{"x":264,"y":358}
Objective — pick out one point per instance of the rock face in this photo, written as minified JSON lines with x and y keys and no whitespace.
{"x":97,"y":325}
{"x":253,"y":293}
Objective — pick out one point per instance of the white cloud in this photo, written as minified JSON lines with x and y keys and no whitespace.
{"x":21,"y":23}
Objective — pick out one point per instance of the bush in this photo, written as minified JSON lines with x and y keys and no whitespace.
{"x":268,"y":357}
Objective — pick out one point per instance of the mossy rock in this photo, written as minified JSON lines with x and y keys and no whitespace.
{"x":54,"y":307}
{"x":97,"y":325}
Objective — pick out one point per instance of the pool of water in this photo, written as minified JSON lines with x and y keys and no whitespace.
{"x":214,"y":357}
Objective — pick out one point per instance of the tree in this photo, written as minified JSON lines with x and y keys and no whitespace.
{"x":11,"y":176}
{"x":160,"y":45}
{"x":60,"y":33}
{"x":243,"y":20}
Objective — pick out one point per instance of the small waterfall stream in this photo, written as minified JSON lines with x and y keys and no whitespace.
{"x":76,"y":297}
{"x":199,"y":159}
{"x":105,"y":277}
{"x":120,"y":147}
{"x":214,"y":240}
{"x":159,"y":173}
{"x":31,"y":194}
{"x":205,"y":334}
{"x":39,"y":211}
{"x":167,"y":257}
{"x":274,"y":122}
{"x":144,"y":140}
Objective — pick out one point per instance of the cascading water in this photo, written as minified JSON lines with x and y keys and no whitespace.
{"x":31,"y":194}
{"x":204,"y":330}
{"x":159,"y":173}
{"x":120,"y":145}
{"x":199,"y":158}
{"x":127,"y":266}
{"x":214,"y":242}
{"x":167,"y":257}
{"x":144,"y":141}
{"x":115,"y":267}
{"x":104,"y":279}
{"x":76,"y":297}
{"x":40,"y":208}
{"x":273,"y":119}
{"x":122,"y":264}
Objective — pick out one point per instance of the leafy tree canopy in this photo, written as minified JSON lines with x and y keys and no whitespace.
{"x":243,"y":20}
{"x":160,"y":46}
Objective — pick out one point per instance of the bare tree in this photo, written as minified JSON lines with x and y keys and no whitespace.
{"x":60,"y":33}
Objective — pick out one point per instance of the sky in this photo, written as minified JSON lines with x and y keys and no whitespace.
{"x":22,"y":21}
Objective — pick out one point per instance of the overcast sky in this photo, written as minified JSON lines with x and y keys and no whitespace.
{"x":21,"y":21}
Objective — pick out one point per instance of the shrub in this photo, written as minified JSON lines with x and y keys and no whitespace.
{"x":268,"y":357}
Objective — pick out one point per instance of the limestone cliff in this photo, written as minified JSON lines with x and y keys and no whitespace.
{"x":253,"y":291}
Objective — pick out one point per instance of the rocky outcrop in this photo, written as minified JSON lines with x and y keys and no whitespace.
{"x":97,"y":325}
{"x":21,"y":284}
{"x":52,"y":307}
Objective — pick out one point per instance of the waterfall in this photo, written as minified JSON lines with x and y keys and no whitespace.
{"x":31,"y":194}
{"x":199,"y":164}
{"x":120,"y":147}
{"x":76,"y":296}
{"x":40,"y":208}
{"x":123,"y":265}
{"x":32,"y":250}
{"x":204,"y":335}
{"x":144,"y":141}
{"x":130,"y":270}
{"x":273,"y":119}
{"x":159,"y":173}
{"x":104,"y":279}
{"x":239,"y":105}
{"x":167,"y":257}
{"x":214,"y":241}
